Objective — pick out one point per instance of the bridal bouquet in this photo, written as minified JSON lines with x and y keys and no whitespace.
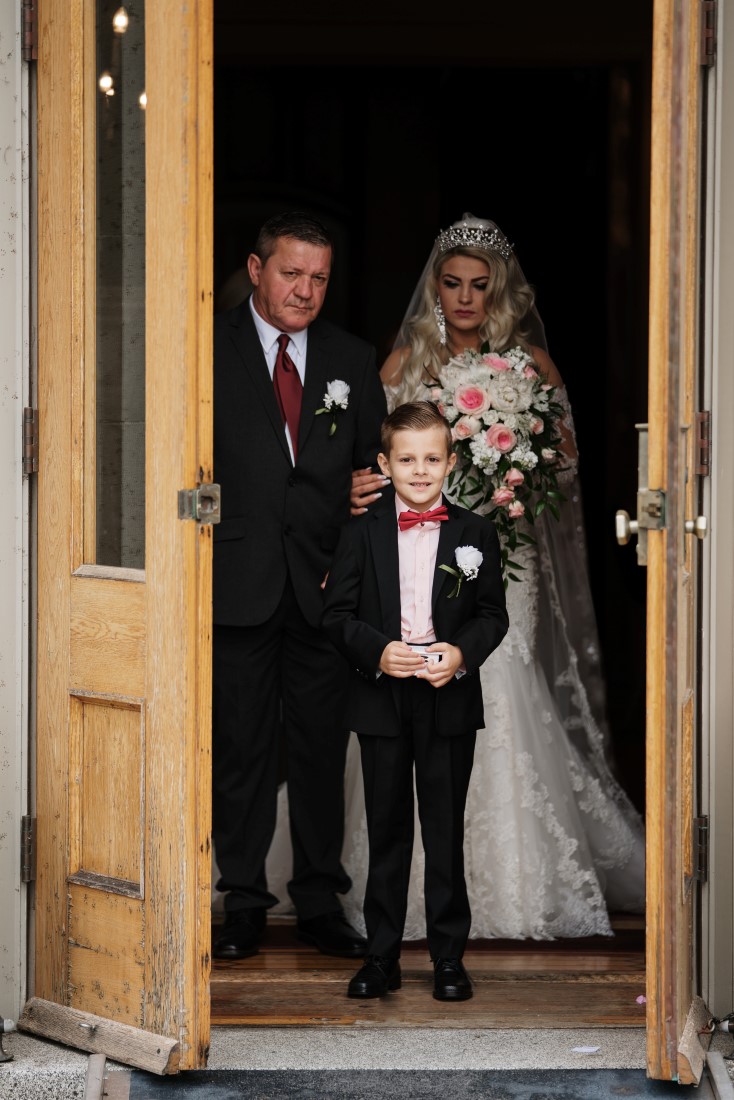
{"x":504,"y":423}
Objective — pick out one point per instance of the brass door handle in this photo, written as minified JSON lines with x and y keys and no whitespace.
{"x":624,"y":527}
{"x":698,"y":527}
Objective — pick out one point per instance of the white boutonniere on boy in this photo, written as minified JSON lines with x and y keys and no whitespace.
{"x":336,"y":397}
{"x":468,"y":559}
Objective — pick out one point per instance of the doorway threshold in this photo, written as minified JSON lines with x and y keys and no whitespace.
{"x":593,"y":983}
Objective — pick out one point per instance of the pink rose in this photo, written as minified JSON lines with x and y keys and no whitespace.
{"x":436,"y":393}
{"x":496,"y":362}
{"x":530,"y":372}
{"x":501,"y":438}
{"x":516,"y":510}
{"x":471,"y":399}
{"x":502,"y":496}
{"x":537,"y":426}
{"x":549,"y":455}
{"x":465,"y":427}
{"x":514,"y":477}
{"x":545,"y":387}
{"x":441,"y":408}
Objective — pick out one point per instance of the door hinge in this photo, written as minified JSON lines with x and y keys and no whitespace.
{"x":27,"y":848}
{"x":203,"y":504}
{"x":702,"y":457}
{"x":708,"y":32}
{"x":700,"y":849}
{"x":29,"y":12}
{"x":30,"y":441}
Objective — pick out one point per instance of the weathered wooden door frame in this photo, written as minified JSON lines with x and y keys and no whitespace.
{"x":672,"y":554}
{"x":166,"y":622}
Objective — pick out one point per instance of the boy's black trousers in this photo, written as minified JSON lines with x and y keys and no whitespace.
{"x":442,"y":771}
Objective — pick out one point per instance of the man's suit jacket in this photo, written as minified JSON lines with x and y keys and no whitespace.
{"x":362,"y":615}
{"x":278,"y":519}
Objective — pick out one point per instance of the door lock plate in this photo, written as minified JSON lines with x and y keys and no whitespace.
{"x":203,"y":504}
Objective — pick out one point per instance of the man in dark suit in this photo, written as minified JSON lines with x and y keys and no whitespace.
{"x":297,"y":406}
{"x":416,"y":572}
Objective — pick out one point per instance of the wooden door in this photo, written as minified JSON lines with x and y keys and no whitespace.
{"x":122,"y":904}
{"x":673,"y":553}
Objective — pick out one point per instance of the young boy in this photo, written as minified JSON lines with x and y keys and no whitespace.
{"x":411,"y":620}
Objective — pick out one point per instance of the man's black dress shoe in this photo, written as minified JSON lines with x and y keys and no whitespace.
{"x":450,"y":981}
{"x":242,"y":932}
{"x":377,"y":977}
{"x":332,"y":935}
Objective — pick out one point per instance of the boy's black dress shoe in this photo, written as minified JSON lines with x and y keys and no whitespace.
{"x":450,"y":981}
{"x":242,"y":932}
{"x":332,"y":934}
{"x":377,"y":977}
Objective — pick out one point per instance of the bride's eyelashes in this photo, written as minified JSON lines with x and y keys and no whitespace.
{"x":451,"y":284}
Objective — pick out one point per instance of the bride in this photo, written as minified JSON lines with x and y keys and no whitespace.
{"x":552,"y":842}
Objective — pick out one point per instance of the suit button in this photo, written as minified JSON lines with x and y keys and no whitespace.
{"x":292,"y":481}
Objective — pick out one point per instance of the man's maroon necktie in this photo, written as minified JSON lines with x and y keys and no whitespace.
{"x":288,"y":389}
{"x":409,"y":519}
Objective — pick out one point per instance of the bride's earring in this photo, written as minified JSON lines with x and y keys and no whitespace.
{"x":440,"y":321}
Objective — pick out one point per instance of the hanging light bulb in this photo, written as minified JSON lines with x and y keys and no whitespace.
{"x":105,"y":83}
{"x":142,"y":101}
{"x":120,"y":21}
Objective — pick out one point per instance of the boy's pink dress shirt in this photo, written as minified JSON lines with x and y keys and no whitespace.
{"x":417,"y":549}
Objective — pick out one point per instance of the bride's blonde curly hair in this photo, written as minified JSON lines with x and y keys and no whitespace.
{"x":508,"y":301}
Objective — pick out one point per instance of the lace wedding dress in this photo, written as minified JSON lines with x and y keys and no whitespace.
{"x":552,"y":842}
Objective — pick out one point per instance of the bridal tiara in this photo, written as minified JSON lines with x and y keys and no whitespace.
{"x":474,"y":236}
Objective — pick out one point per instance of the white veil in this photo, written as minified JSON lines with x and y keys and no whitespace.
{"x":567,"y":644}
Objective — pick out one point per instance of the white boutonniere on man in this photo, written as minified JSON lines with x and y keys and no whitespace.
{"x":336,"y":397}
{"x":468,"y":559}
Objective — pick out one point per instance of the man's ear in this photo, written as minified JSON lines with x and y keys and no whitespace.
{"x":383,"y":463}
{"x":254,"y":267}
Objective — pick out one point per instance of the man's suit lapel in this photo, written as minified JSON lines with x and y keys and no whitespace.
{"x":247,"y":342}
{"x":314,"y":387}
{"x":448,"y":540}
{"x":383,"y":536}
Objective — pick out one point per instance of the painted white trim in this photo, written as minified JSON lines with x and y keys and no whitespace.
{"x":14,"y":506}
{"x":717,"y":763}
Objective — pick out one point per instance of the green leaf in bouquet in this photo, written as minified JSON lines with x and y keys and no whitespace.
{"x":515,"y":564}
{"x":512,"y":577}
{"x":553,"y":509}
{"x":539,"y":508}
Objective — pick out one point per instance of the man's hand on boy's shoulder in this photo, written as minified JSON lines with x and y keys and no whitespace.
{"x":399,"y":660}
{"x":438,"y":673}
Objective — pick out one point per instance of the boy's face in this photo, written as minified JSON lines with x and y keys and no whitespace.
{"x":418,"y":463}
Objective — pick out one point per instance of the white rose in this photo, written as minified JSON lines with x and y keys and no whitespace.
{"x":337,"y":393}
{"x":509,"y":393}
{"x":468,"y":559}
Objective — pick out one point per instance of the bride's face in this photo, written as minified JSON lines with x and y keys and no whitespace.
{"x":462,"y":289}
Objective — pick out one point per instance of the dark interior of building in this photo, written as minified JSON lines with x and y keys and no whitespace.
{"x":387,"y":124}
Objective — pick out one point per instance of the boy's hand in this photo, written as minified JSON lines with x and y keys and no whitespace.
{"x":440,"y":672}
{"x":366,"y":489}
{"x":399,"y":660}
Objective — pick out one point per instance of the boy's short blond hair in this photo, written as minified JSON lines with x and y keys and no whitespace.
{"x":413,"y":416}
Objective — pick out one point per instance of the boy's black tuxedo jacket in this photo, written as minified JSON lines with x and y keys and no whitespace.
{"x":362,"y":615}
{"x":277,"y":519}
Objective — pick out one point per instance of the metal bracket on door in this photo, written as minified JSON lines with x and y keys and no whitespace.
{"x":203,"y":504}
{"x":650,"y":506}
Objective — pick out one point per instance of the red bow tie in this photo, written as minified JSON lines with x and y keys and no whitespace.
{"x":406,"y":520}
